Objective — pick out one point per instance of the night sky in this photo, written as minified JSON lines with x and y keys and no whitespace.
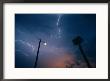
{"x":56,"y":32}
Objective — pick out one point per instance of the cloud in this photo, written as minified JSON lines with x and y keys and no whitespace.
{"x":57,"y":59}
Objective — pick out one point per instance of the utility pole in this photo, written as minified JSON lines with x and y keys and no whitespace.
{"x":35,"y":65}
{"x":77,"y":41}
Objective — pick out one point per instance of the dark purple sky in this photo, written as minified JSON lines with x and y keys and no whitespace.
{"x":57,"y":30}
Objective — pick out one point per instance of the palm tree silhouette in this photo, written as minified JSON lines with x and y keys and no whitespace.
{"x":77,"y":41}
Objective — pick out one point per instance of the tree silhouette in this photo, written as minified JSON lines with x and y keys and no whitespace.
{"x":77,"y":41}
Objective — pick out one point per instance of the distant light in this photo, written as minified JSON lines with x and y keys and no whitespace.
{"x":45,"y":43}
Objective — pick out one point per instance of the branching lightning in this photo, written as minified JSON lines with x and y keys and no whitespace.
{"x":26,"y":43}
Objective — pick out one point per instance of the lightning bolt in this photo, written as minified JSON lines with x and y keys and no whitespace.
{"x":58,"y":20}
{"x":26,"y":43}
{"x":57,"y":24}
